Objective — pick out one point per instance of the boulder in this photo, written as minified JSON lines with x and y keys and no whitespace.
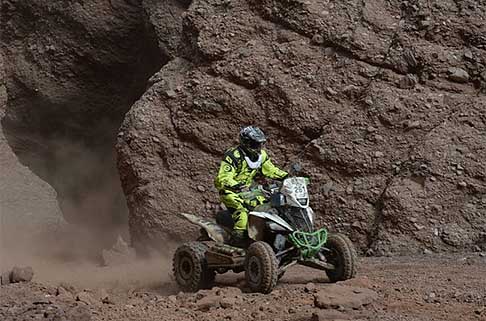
{"x":458,"y":75}
{"x":105,"y":297}
{"x":79,"y":313}
{"x":22,"y":274}
{"x":86,"y":297}
{"x":229,"y":292}
{"x":454,"y":235}
{"x":208,"y":302}
{"x":5,"y":278}
{"x":228,"y":302}
{"x":63,"y":294}
{"x":344,"y":297}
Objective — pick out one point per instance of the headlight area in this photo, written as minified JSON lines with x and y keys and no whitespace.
{"x":303,"y":201}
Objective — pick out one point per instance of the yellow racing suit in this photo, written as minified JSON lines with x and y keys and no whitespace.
{"x":237,"y":171}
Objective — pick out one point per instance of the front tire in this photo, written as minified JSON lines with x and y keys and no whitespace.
{"x":342,"y":256}
{"x":261,"y":268}
{"x":190,"y":267}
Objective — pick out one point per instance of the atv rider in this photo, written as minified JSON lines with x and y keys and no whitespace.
{"x":239,"y":167}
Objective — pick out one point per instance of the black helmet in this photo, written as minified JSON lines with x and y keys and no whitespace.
{"x":251,"y":140}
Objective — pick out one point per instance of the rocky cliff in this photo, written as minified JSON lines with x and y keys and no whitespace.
{"x":383,"y":102}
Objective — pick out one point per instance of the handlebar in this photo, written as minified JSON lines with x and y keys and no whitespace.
{"x":265,"y":190}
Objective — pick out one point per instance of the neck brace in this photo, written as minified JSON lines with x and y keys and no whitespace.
{"x":256,"y":164}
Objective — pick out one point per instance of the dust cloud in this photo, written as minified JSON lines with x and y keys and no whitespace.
{"x":34,"y":230}
{"x":70,"y":255}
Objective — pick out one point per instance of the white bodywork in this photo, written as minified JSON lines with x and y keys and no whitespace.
{"x":295,"y":191}
{"x":257,"y":220}
{"x":296,"y":195}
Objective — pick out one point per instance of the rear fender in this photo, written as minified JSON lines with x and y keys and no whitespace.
{"x":215,"y":232}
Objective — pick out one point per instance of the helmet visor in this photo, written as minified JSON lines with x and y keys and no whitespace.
{"x":255,"y":145}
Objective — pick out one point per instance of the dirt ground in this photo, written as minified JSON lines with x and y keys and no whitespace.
{"x":408,"y":288}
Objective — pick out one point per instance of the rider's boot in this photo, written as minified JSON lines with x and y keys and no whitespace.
{"x":239,"y":238}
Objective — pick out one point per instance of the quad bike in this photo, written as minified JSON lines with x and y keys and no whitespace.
{"x":282,"y":234}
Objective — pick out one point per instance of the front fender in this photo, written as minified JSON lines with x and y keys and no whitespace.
{"x":258,"y":220}
{"x":273,"y":218}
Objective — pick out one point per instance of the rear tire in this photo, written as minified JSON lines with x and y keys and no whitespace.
{"x":343,"y":257}
{"x":190,"y":267}
{"x":261,"y":267}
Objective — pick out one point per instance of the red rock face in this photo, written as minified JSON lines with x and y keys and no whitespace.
{"x":361,"y":95}
{"x":381,"y":101}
